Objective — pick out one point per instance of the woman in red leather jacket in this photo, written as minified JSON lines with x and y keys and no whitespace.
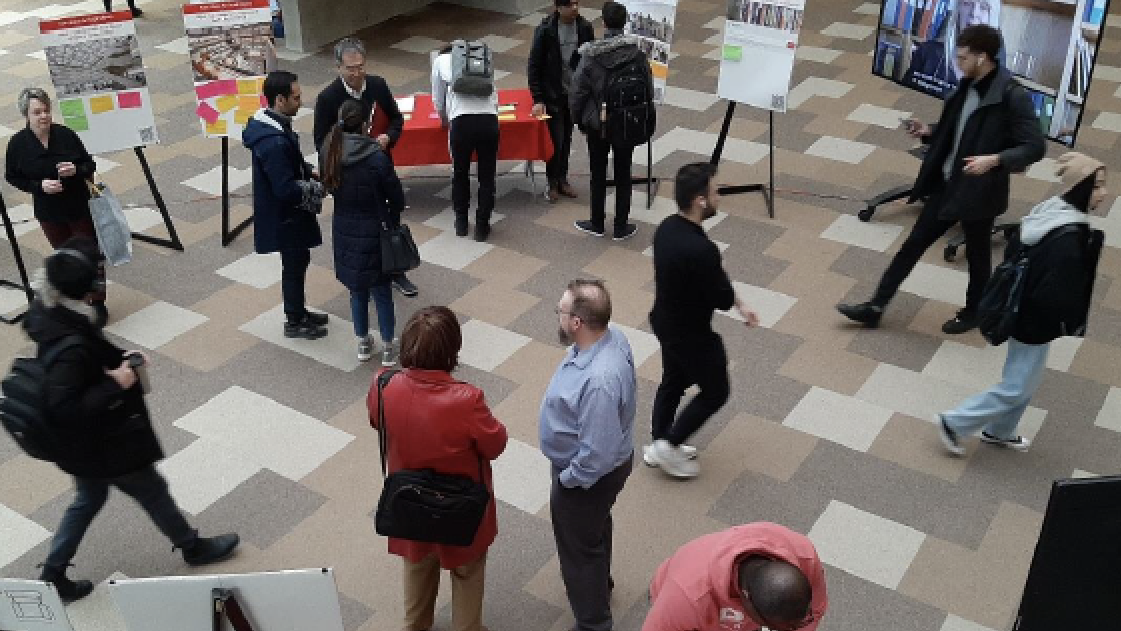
{"x":437,"y":422}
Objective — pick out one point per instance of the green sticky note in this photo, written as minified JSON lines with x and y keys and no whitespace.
{"x":72,"y":108}
{"x":77,"y":123}
{"x":733,"y":53}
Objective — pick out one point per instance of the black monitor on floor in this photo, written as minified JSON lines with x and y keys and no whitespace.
{"x":1075,"y":576}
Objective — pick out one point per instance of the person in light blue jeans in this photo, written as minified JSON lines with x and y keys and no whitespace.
{"x":369,"y":199}
{"x":1055,"y":303}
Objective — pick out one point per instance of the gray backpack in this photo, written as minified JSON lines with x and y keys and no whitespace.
{"x":472,"y":68}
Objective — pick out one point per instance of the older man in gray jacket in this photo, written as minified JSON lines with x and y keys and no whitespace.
{"x":616,"y":56}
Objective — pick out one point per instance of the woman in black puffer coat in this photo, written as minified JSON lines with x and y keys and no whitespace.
{"x":368,"y":198}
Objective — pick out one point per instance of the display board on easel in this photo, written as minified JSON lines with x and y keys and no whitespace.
{"x":653,"y":22}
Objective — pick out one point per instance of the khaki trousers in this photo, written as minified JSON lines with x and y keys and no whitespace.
{"x":422,"y":582}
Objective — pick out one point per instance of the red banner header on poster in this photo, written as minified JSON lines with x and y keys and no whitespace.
{"x":216,"y":7}
{"x":47,"y":26}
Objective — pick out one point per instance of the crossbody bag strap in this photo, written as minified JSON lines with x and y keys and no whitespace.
{"x":225,"y":604}
{"x":383,"y":431}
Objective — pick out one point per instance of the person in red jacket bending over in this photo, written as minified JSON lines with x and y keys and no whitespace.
{"x":741,"y":579}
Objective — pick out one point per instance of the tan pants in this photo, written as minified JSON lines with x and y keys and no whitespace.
{"x":422,"y":581}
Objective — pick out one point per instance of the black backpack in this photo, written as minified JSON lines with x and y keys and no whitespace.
{"x":631,"y":117}
{"x":23,"y":408}
{"x":999,"y":309}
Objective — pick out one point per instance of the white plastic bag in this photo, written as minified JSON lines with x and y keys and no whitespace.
{"x":113,"y":234}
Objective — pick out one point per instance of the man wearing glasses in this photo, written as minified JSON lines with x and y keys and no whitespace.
{"x":746,"y":578}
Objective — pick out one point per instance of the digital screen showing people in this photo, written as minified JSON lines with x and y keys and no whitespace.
{"x":1050,"y":45}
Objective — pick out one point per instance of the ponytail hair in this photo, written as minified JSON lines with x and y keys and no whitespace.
{"x":354,"y":115}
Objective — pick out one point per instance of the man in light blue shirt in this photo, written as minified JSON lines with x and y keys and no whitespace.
{"x":587,"y":419}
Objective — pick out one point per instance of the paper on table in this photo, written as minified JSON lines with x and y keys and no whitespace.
{"x":507,"y":117}
{"x":406,"y":104}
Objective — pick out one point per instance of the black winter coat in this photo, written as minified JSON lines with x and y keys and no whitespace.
{"x":597,"y":60}
{"x":544,"y":72}
{"x":369,"y":194}
{"x":1057,"y":291}
{"x":278,"y":166}
{"x":102,"y":430}
{"x":27,"y":163}
{"x":376,"y":94}
{"x":1005,"y":124}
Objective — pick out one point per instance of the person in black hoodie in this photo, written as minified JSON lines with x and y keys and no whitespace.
{"x":102,"y":431}
{"x":598,"y":59}
{"x":368,"y":198}
{"x":553,"y":57}
{"x":1056,"y":303}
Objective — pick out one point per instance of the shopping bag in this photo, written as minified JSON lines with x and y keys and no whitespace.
{"x":113,"y":234}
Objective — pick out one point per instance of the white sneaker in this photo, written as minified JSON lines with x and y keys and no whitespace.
{"x":650,"y":460}
{"x":365,"y":348}
{"x":389,"y":355}
{"x":673,"y":460}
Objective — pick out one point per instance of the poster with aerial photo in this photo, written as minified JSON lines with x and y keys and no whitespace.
{"x":99,"y":80}
{"x":230,"y":47}
{"x":653,"y":22}
{"x":757,"y":58}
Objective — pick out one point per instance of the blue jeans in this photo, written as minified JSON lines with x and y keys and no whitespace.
{"x":146,"y":486}
{"x":997,"y":410}
{"x":382,"y":295}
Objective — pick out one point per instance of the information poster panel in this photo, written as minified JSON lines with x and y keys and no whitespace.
{"x":653,"y":22}
{"x":31,"y":605}
{"x":100,"y":81}
{"x":757,"y":58}
{"x":230,"y":47}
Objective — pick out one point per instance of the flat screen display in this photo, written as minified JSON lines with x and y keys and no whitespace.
{"x":1050,"y":45}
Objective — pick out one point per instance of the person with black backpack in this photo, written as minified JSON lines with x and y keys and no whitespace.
{"x":612,"y":102}
{"x":1058,"y":253}
{"x":92,"y":403}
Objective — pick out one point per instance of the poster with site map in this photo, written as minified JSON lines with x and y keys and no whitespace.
{"x":652,"y":21}
{"x":230,"y":48}
{"x":99,"y":79}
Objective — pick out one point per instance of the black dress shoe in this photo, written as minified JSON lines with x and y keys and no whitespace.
{"x":403,"y":285}
{"x":461,"y":226}
{"x":865,"y":313}
{"x":136,"y":12}
{"x":305,"y":329}
{"x":318,"y":319}
{"x":67,"y":589}
{"x":210,"y":549}
{"x":963,"y":322}
{"x":482,"y":231}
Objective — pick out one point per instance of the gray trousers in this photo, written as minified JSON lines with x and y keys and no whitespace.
{"x":582,"y":529}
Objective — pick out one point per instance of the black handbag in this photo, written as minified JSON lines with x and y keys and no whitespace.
{"x":398,"y":250}
{"x":423,"y":505}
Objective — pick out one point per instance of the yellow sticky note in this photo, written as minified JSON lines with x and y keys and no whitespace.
{"x":248,"y":86}
{"x":242,"y":117}
{"x":102,"y":104}
{"x":250,"y":103}
{"x":225,"y":103}
{"x":218,"y":127}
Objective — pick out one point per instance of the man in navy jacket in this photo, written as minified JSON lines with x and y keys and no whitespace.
{"x":284,"y":191}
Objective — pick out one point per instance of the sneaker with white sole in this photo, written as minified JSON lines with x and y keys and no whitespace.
{"x":389,"y":355}
{"x":365,"y":348}
{"x":650,"y":459}
{"x":673,"y":460}
{"x":1018,"y":443}
{"x":949,"y":438}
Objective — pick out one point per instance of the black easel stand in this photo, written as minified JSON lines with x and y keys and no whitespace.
{"x":229,"y":235}
{"x":25,"y":287}
{"x":893,"y":195}
{"x":650,"y":181}
{"x":173,"y":243}
{"x":768,"y":190}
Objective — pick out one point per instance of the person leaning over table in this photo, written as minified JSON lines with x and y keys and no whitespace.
{"x":435,"y":421}
{"x":50,"y":162}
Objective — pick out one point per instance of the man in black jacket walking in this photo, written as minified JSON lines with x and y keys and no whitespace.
{"x":354,"y":82}
{"x":553,"y":57}
{"x":988,"y":130}
{"x":689,"y":285}
{"x":103,"y":435}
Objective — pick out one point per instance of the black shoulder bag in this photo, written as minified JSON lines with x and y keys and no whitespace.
{"x":423,"y":505}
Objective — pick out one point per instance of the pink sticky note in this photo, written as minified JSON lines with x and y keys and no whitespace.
{"x":264,"y":101}
{"x":207,"y":113}
{"x":129,"y":100}
{"x":216,"y":88}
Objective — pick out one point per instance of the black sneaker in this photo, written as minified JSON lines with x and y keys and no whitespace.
{"x":68,"y":590}
{"x":626,"y":232}
{"x":963,"y":322}
{"x":136,"y":12}
{"x":482,"y":231}
{"x":585,"y":225}
{"x":460,"y":226}
{"x":865,"y":313}
{"x":210,"y":549}
{"x":305,"y":329}
{"x":949,"y":438}
{"x":1018,"y":443}
{"x":319,"y":319}
{"x":403,"y":285}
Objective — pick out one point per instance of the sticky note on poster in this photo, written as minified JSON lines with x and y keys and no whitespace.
{"x":248,"y":86}
{"x":72,"y":108}
{"x":217,"y":128}
{"x":216,"y":88}
{"x":207,"y":113}
{"x":733,"y":53}
{"x":225,"y":103}
{"x":129,"y":100}
{"x":250,"y":103}
{"x":102,"y":104}
{"x":77,"y":123}
{"x":241,"y":117}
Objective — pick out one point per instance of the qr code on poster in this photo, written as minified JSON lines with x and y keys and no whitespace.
{"x":148,"y":135}
{"x":778,"y":102}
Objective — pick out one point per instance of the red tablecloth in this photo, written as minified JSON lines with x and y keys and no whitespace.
{"x":423,"y":141}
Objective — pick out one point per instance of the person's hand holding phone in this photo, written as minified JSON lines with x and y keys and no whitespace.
{"x":916,"y":128}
